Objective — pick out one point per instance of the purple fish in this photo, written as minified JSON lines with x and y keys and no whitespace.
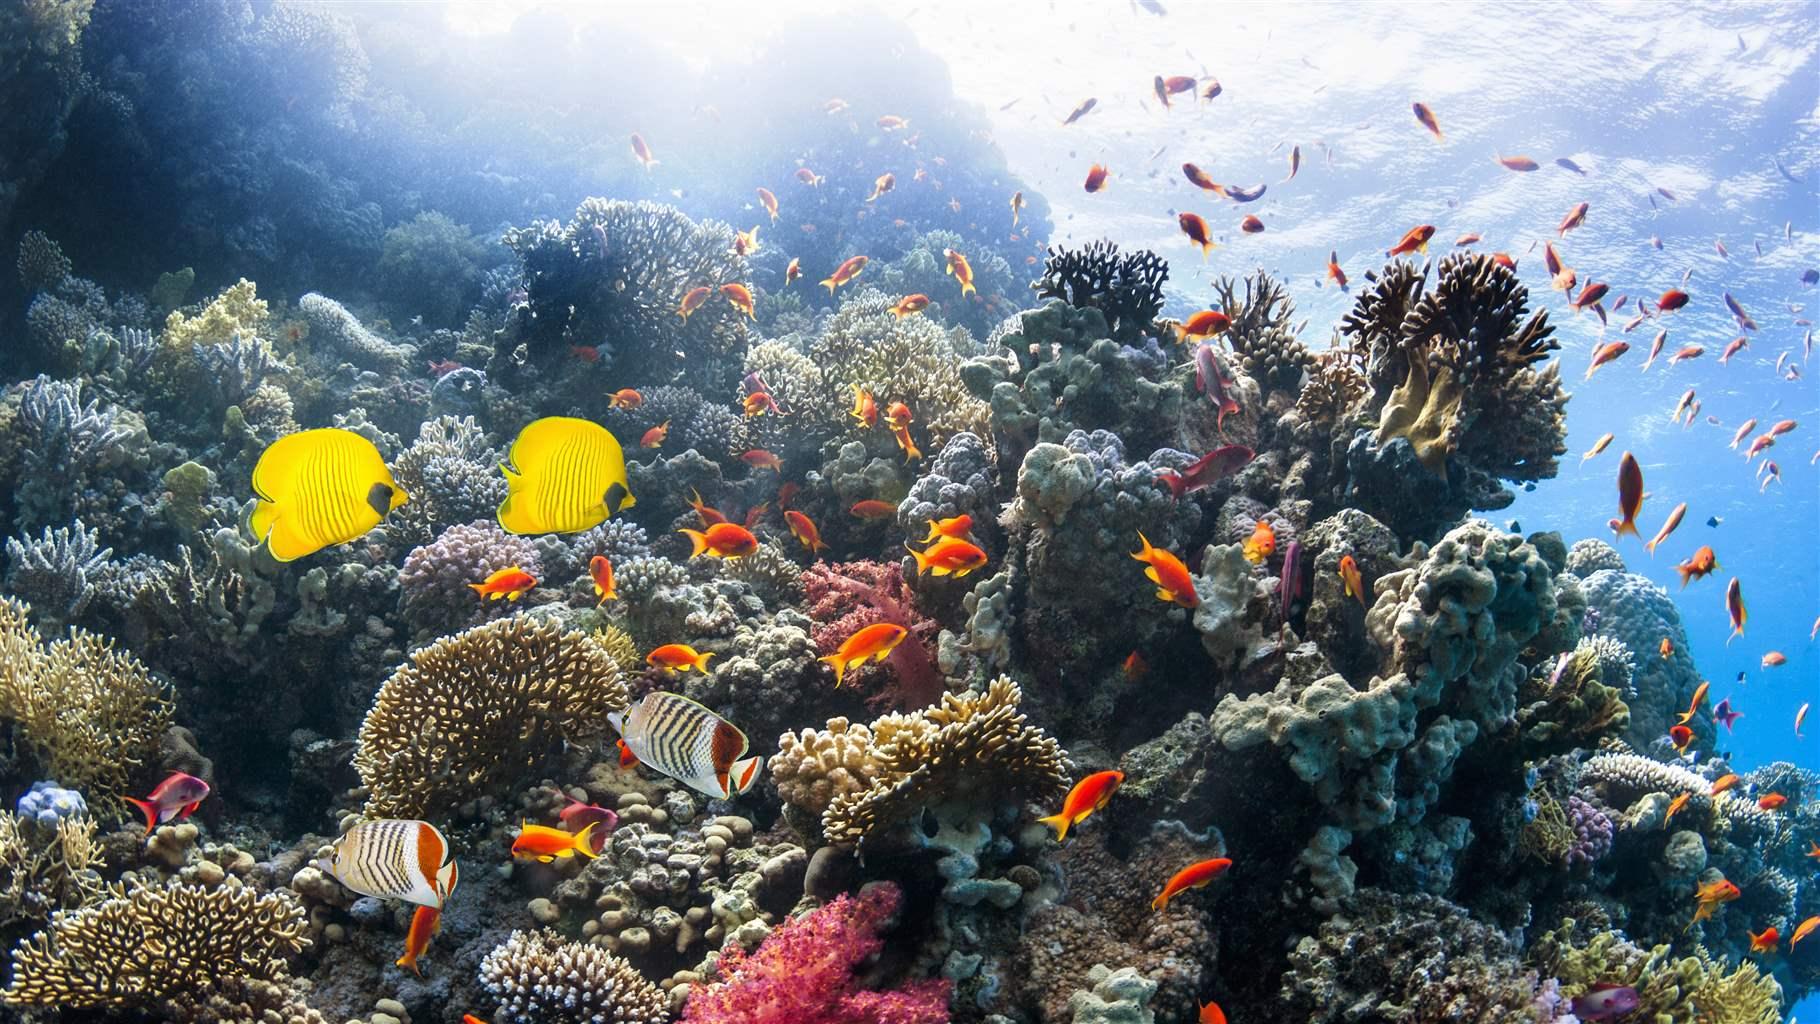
{"x":1605,"y":1001}
{"x":1207,"y":470}
{"x":1725,"y":715}
{"x":1210,"y":379}
{"x":1291,"y":586}
{"x":577,"y":816}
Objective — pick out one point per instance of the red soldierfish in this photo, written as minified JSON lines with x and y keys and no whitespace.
{"x":174,"y":799}
{"x":1207,"y":470}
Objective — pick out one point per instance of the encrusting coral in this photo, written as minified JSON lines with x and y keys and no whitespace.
{"x":478,"y":711}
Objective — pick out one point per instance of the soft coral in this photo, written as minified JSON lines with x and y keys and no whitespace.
{"x":803,"y":973}
{"x":843,"y":599}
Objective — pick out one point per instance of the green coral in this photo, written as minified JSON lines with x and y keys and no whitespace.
{"x":187,"y":489}
{"x":171,"y":288}
{"x":1742,"y":996}
{"x":237,"y":310}
{"x":1549,"y":835}
{"x":1572,"y":707}
{"x":1665,"y":985}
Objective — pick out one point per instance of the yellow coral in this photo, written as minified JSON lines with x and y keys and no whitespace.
{"x":44,"y":869}
{"x":478,"y":711}
{"x":89,"y":715}
{"x":619,"y":646}
{"x":1742,"y":996}
{"x":238,"y":310}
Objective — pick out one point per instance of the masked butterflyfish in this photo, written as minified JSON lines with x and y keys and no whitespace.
{"x":317,"y":488}
{"x":565,"y":475}
{"x":395,"y":859}
{"x":687,"y":742}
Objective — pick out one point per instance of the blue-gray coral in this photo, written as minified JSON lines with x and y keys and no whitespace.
{"x":52,"y":572}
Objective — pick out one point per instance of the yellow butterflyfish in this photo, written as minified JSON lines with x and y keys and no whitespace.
{"x":317,"y":488}
{"x":564,"y":475}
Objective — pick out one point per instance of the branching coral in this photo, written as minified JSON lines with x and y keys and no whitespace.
{"x":804,"y":973}
{"x":910,"y":359}
{"x":478,"y":711}
{"x":451,"y":473}
{"x":1260,"y":335}
{"x":46,"y":867}
{"x":67,"y":445}
{"x":236,"y":311}
{"x":1579,"y":699}
{"x":90,"y":715}
{"x":52,"y":572}
{"x":1127,"y":288}
{"x":540,"y":979}
{"x":613,"y":277}
{"x":972,"y":749}
{"x":171,"y":949}
{"x":1669,"y":988}
{"x":434,"y":582}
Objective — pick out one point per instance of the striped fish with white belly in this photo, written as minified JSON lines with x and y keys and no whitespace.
{"x":397,"y":860}
{"x":687,"y":742}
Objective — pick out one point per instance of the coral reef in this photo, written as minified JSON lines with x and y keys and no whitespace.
{"x":536,"y":977}
{"x":1126,"y":289}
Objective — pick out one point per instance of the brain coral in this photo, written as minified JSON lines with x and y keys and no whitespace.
{"x":480,"y":710}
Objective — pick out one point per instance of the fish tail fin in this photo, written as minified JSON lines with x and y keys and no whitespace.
{"x":698,"y":539}
{"x":934,"y":532}
{"x":922,"y":560}
{"x":147,"y":809}
{"x":1059,"y":822}
{"x":839,"y":666}
{"x":1651,"y":547}
{"x":968,"y":289}
{"x":409,"y":960}
{"x":584,"y":841}
{"x":700,"y":664}
{"x":1161,"y":902}
{"x":1629,"y":526}
{"x":744,"y":774}
{"x":830,"y":283}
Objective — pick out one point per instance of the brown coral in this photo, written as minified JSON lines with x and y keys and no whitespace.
{"x":972,"y":748}
{"x":479,"y":711}
{"x":536,"y":976}
{"x":90,"y":715}
{"x":1260,"y":335}
{"x":175,"y":949}
{"x":911,"y":359}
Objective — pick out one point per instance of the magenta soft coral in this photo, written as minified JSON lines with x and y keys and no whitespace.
{"x":803,"y":973}
{"x":845,"y":598}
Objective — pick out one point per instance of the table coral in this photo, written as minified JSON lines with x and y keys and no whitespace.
{"x":474,"y":712}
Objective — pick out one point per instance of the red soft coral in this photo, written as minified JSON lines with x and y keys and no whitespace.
{"x":803,"y":973}
{"x":845,"y":598}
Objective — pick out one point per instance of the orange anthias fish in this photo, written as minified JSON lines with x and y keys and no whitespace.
{"x":1774,"y":659}
{"x":876,"y":642}
{"x":745,"y":243}
{"x":1671,"y":300}
{"x":910,"y":305}
{"x":1606,"y":353}
{"x":1261,"y":544}
{"x":1090,"y":794}
{"x":1630,"y":494}
{"x":1725,"y":782}
{"x":1803,"y":930}
{"x":625,"y":398}
{"x":1517,"y":163}
{"x":803,"y":529}
{"x":1575,"y":217}
{"x":509,"y":583}
{"x":1772,"y":801}
{"x":692,"y":300}
{"x":1598,"y":446}
{"x":655,"y":437}
{"x":1173,"y":581}
{"x":872,"y":508}
{"x":1414,"y":240}
{"x":1734,"y":606}
{"x":1733,"y":347}
{"x":769,"y":202}
{"x":1765,"y":941}
{"x":1697,"y":567}
{"x":1667,"y":647}
{"x":1211,"y":1014}
{"x":904,"y":441}
{"x":1681,"y":736}
{"x":1196,"y":230}
{"x":865,"y":407}
{"x":1351,"y":580}
{"x":642,"y":151}
{"x":1693,"y":706}
{"x":897,"y":415}
{"x":1427,"y":119}
{"x":1590,"y":296}
{"x":1207,"y":323}
{"x":601,"y":572}
{"x":425,"y":922}
{"x":740,"y":297}
{"x":174,"y":799}
{"x":1676,"y":806}
{"x":1193,"y":876}
{"x":948,"y":556}
{"x":759,"y":403}
{"x":1251,"y":225}
{"x":793,"y":271}
{"x":760,"y":458}
{"x":1175,"y":84}
{"x":809,"y":177}
{"x":546,"y":844}
{"x":960,"y":526}
{"x":885,"y":183}
{"x":961,"y":269}
{"x":1710,"y":896}
{"x":1134,"y":666}
{"x":848,"y":270}
{"x":679,"y":658}
{"x":1096,"y":178}
{"x":1199,"y":178}
{"x":1334,"y":273}
{"x":468,"y":1018}
{"x":708,"y":515}
{"x":1674,"y":520}
{"x":891,"y":122}
{"x":722,"y":540}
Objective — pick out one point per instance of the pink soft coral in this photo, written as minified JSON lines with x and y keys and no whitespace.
{"x":845,"y":598}
{"x":803,"y":973}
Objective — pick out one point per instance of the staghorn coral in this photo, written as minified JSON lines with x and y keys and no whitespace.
{"x":612,"y":278}
{"x":169,"y":949}
{"x":41,"y":263}
{"x":91,"y":716}
{"x":538,"y":978}
{"x":972,"y":749}
{"x":238,"y":310}
{"x":434,"y":582}
{"x":478,"y":711}
{"x":68,"y":448}
{"x":912,"y":360}
{"x":1624,"y":781}
{"x":234,"y":369}
{"x":803,"y":973}
{"x":1127,"y":289}
{"x":53,"y":572}
{"x":1267,"y":348}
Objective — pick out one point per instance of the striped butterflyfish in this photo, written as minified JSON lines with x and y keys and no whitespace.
{"x":316,"y":488}
{"x":563,"y":475}
{"x":687,"y":742}
{"x":395,"y":859}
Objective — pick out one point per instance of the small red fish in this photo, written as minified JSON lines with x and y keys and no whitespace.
{"x":722,"y":540}
{"x":1207,"y":323}
{"x":1413,"y":240}
{"x":509,"y":583}
{"x":1681,"y":736}
{"x":655,"y":437}
{"x":425,"y":922}
{"x":758,"y":403}
{"x":759,"y":458}
{"x":1765,"y":941}
{"x":1196,"y":229}
{"x":1192,"y":877}
{"x":585,"y":353}
{"x":1735,"y":346}
{"x":1517,"y":163}
{"x":642,"y":151}
{"x":803,"y":529}
{"x":872,"y":508}
{"x":1090,"y":794}
{"x":600,"y":571}
{"x":708,"y":515}
{"x":769,"y":202}
{"x":1351,"y":580}
{"x":848,"y":270}
{"x":174,"y":799}
{"x":1606,"y":353}
{"x":1199,"y":178}
{"x":1251,"y":225}
{"x":1096,"y":178}
{"x":1427,"y":119}
{"x":1734,"y":607}
{"x":740,"y":297}
{"x":1698,"y":566}
{"x":692,"y":300}
{"x":625,"y":398}
{"x":1671,"y":300}
{"x":1575,"y":217}
{"x":1772,"y":801}
{"x":910,"y":304}
{"x":1334,"y":273}
{"x":1630,"y":494}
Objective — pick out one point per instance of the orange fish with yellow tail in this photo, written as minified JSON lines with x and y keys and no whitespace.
{"x":642,"y":151}
{"x":960,"y":526}
{"x":509,"y":583}
{"x":865,"y":407}
{"x":692,"y":300}
{"x":1173,"y":581}
{"x":885,"y":183}
{"x":1351,"y":579}
{"x":875,"y":642}
{"x":425,"y":922}
{"x":803,"y":529}
{"x":910,"y":305}
{"x":948,"y":556}
{"x":600,"y":572}
{"x":960,"y":269}
{"x":848,"y":270}
{"x":769,"y":202}
{"x":1194,"y":876}
{"x":1090,"y":794}
{"x":679,"y":658}
{"x":1413,"y":240}
{"x":740,"y":297}
{"x":722,"y":540}
{"x":1195,"y":227}
{"x":546,"y":844}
